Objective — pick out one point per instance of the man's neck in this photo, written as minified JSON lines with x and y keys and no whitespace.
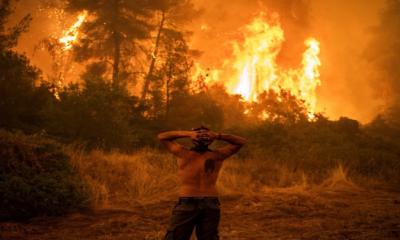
{"x":200,"y":149}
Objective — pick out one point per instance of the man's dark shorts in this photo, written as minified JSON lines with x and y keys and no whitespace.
{"x":191,"y":212}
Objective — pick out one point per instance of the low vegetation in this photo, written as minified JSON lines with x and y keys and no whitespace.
{"x":37,"y":178}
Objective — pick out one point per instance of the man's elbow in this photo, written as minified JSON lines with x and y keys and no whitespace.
{"x":161,"y":137}
{"x":242,"y":141}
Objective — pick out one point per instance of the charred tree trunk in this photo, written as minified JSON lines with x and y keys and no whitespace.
{"x":153,"y":59}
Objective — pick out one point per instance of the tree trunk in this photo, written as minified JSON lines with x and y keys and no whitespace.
{"x":153,"y":59}
{"x":169,"y":79}
{"x":117,"y":47}
{"x":117,"y":58}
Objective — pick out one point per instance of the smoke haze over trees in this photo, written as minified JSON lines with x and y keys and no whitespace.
{"x":384,"y":53}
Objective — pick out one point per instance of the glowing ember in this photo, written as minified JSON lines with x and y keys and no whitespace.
{"x":253,"y":68}
{"x":71,"y":35}
{"x":57,"y":88}
{"x":209,"y":75}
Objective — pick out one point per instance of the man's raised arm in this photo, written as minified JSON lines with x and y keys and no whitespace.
{"x":167,"y":138}
{"x":172,"y":135}
{"x":232,"y":139}
{"x":235,"y":143}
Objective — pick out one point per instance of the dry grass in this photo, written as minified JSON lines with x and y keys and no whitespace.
{"x":133,"y":195}
{"x":149,"y":176}
{"x":118,"y":179}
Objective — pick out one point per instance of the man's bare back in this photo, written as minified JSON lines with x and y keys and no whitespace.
{"x":199,"y":167}
{"x":198,"y":173}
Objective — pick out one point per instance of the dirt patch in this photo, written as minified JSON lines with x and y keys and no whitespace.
{"x":292,"y":213}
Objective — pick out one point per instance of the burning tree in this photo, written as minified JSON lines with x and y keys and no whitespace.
{"x":171,"y":74}
{"x":110,"y":31}
{"x":71,"y":35}
{"x":171,"y":14}
{"x":59,"y":46}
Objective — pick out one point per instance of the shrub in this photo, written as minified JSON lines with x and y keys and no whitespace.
{"x":36,"y":178}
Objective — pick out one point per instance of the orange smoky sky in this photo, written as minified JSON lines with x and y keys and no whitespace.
{"x":341,"y":27}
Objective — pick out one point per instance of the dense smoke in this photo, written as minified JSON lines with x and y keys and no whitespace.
{"x":383,"y":55}
{"x":344,"y":29}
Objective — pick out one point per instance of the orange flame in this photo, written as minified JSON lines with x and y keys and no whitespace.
{"x":309,"y":78}
{"x":254,"y":69}
{"x":71,"y":35}
{"x":255,"y":59}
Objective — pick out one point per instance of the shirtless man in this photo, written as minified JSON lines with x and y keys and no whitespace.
{"x":198,"y":204}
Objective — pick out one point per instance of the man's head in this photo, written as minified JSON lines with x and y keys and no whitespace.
{"x":203,"y":139}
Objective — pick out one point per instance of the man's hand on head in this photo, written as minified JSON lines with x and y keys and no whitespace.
{"x":213,"y":135}
{"x":193,"y":135}
{"x":209,"y":135}
{"x":204,"y":135}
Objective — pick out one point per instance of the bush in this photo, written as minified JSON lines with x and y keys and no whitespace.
{"x":21,"y":102}
{"x":36,"y":178}
{"x":315,"y":148}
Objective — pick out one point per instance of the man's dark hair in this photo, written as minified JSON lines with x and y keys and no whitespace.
{"x":201,"y":128}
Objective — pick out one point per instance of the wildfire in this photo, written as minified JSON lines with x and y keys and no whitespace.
{"x":71,"y":35}
{"x":254,"y":69}
{"x":309,"y":78}
{"x":255,"y":59}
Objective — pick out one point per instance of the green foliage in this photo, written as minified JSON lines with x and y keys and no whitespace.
{"x":22,"y":103}
{"x":96,"y":113}
{"x":170,"y":81}
{"x":188,"y":111}
{"x":316,"y":147}
{"x":24,"y":100}
{"x":36,"y":178}
{"x":9,"y":39}
{"x":282,"y":107}
{"x":385,"y":129}
{"x":170,"y":52}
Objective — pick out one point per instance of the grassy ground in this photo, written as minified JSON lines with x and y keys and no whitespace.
{"x":132,"y":197}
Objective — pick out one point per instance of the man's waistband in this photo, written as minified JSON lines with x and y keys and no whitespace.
{"x":198,"y":199}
